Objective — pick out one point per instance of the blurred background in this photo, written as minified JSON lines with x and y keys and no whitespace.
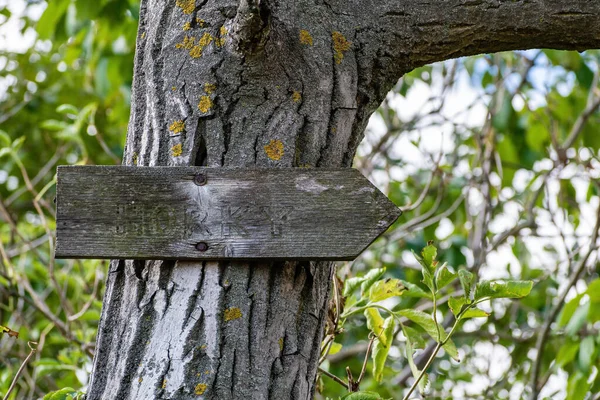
{"x":495,"y":158}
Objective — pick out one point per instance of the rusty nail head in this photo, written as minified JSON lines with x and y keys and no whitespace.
{"x":200,"y":179}
{"x":201,"y":246}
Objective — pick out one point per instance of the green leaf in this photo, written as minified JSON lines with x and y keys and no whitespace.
{"x":102,"y":80}
{"x":413,"y":290}
{"x":568,"y":310}
{"x":593,"y":289}
{"x":16,"y":145}
{"x":567,"y":352}
{"x":424,"y":382}
{"x":466,"y":281}
{"x":415,"y":337}
{"x":335,"y":348}
{"x":501,"y":289}
{"x":577,"y":387}
{"x":429,"y":254}
{"x":370,"y":278}
{"x":5,"y":140}
{"x":384,"y":289}
{"x":444,"y":276}
{"x":374,"y":321}
{"x":54,"y":125}
{"x":47,"y":22}
{"x":474,"y":313}
{"x":426,"y":259}
{"x":426,"y":322}
{"x":352,"y":284}
{"x":6,"y":12}
{"x":62,"y":394}
{"x":586,"y":354}
{"x":362,"y":396}
{"x":456,"y":303}
{"x":67,"y":109}
{"x":577,"y":320}
{"x":537,"y":135}
{"x":381,"y":347}
{"x":5,"y":151}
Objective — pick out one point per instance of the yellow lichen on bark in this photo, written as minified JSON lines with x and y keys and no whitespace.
{"x":200,"y":22}
{"x":204,"y":41}
{"x":187,"y":26}
{"x":200,"y":389}
{"x":210,"y":87}
{"x":177,"y":150}
{"x":205,"y":104}
{"x":134,"y":158}
{"x":177,"y":126}
{"x":305,"y":37}
{"x":274,"y":149}
{"x":188,"y":43}
{"x":340,"y":45}
{"x":187,"y":6}
{"x":281,"y":344}
{"x":196,"y":52}
{"x":232,"y":313}
{"x":296,"y":96}
{"x":164,"y":384}
{"x":220,"y":41}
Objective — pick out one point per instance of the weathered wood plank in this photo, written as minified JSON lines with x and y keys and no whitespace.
{"x":217,"y":213}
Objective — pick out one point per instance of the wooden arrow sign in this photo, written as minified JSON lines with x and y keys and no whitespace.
{"x":217,"y":213}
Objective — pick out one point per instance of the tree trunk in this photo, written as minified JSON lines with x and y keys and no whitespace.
{"x":272,"y":84}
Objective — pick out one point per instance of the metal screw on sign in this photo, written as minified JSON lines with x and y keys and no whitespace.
{"x":200,"y":179}
{"x":201,"y":246}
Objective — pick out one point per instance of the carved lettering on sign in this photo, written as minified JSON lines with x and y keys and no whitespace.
{"x":232,"y":221}
{"x":196,"y":222}
{"x":158,"y":220}
{"x":277,"y":217}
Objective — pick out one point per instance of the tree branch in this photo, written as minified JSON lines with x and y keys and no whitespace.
{"x":436,"y":31}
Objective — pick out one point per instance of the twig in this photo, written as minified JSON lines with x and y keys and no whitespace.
{"x":591,"y":106}
{"x":545,"y":330}
{"x":364,"y":367}
{"x":423,"y":371}
{"x":20,"y":371}
{"x":335,"y":378}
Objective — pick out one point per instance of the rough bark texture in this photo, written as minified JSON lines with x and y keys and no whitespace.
{"x":276,"y":84}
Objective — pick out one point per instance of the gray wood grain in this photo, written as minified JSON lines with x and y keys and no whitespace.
{"x":161,"y":213}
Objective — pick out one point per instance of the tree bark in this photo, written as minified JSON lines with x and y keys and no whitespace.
{"x":274,"y":84}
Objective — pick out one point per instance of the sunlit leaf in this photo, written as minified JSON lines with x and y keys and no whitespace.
{"x":500,"y":289}
{"x":374,"y":321}
{"x":586,"y":354}
{"x":456,"y":303}
{"x":364,"y":282}
{"x":335,"y":348}
{"x":466,"y":281}
{"x":384,"y":289}
{"x":381,"y":347}
{"x":444,"y":276}
{"x":362,"y":396}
